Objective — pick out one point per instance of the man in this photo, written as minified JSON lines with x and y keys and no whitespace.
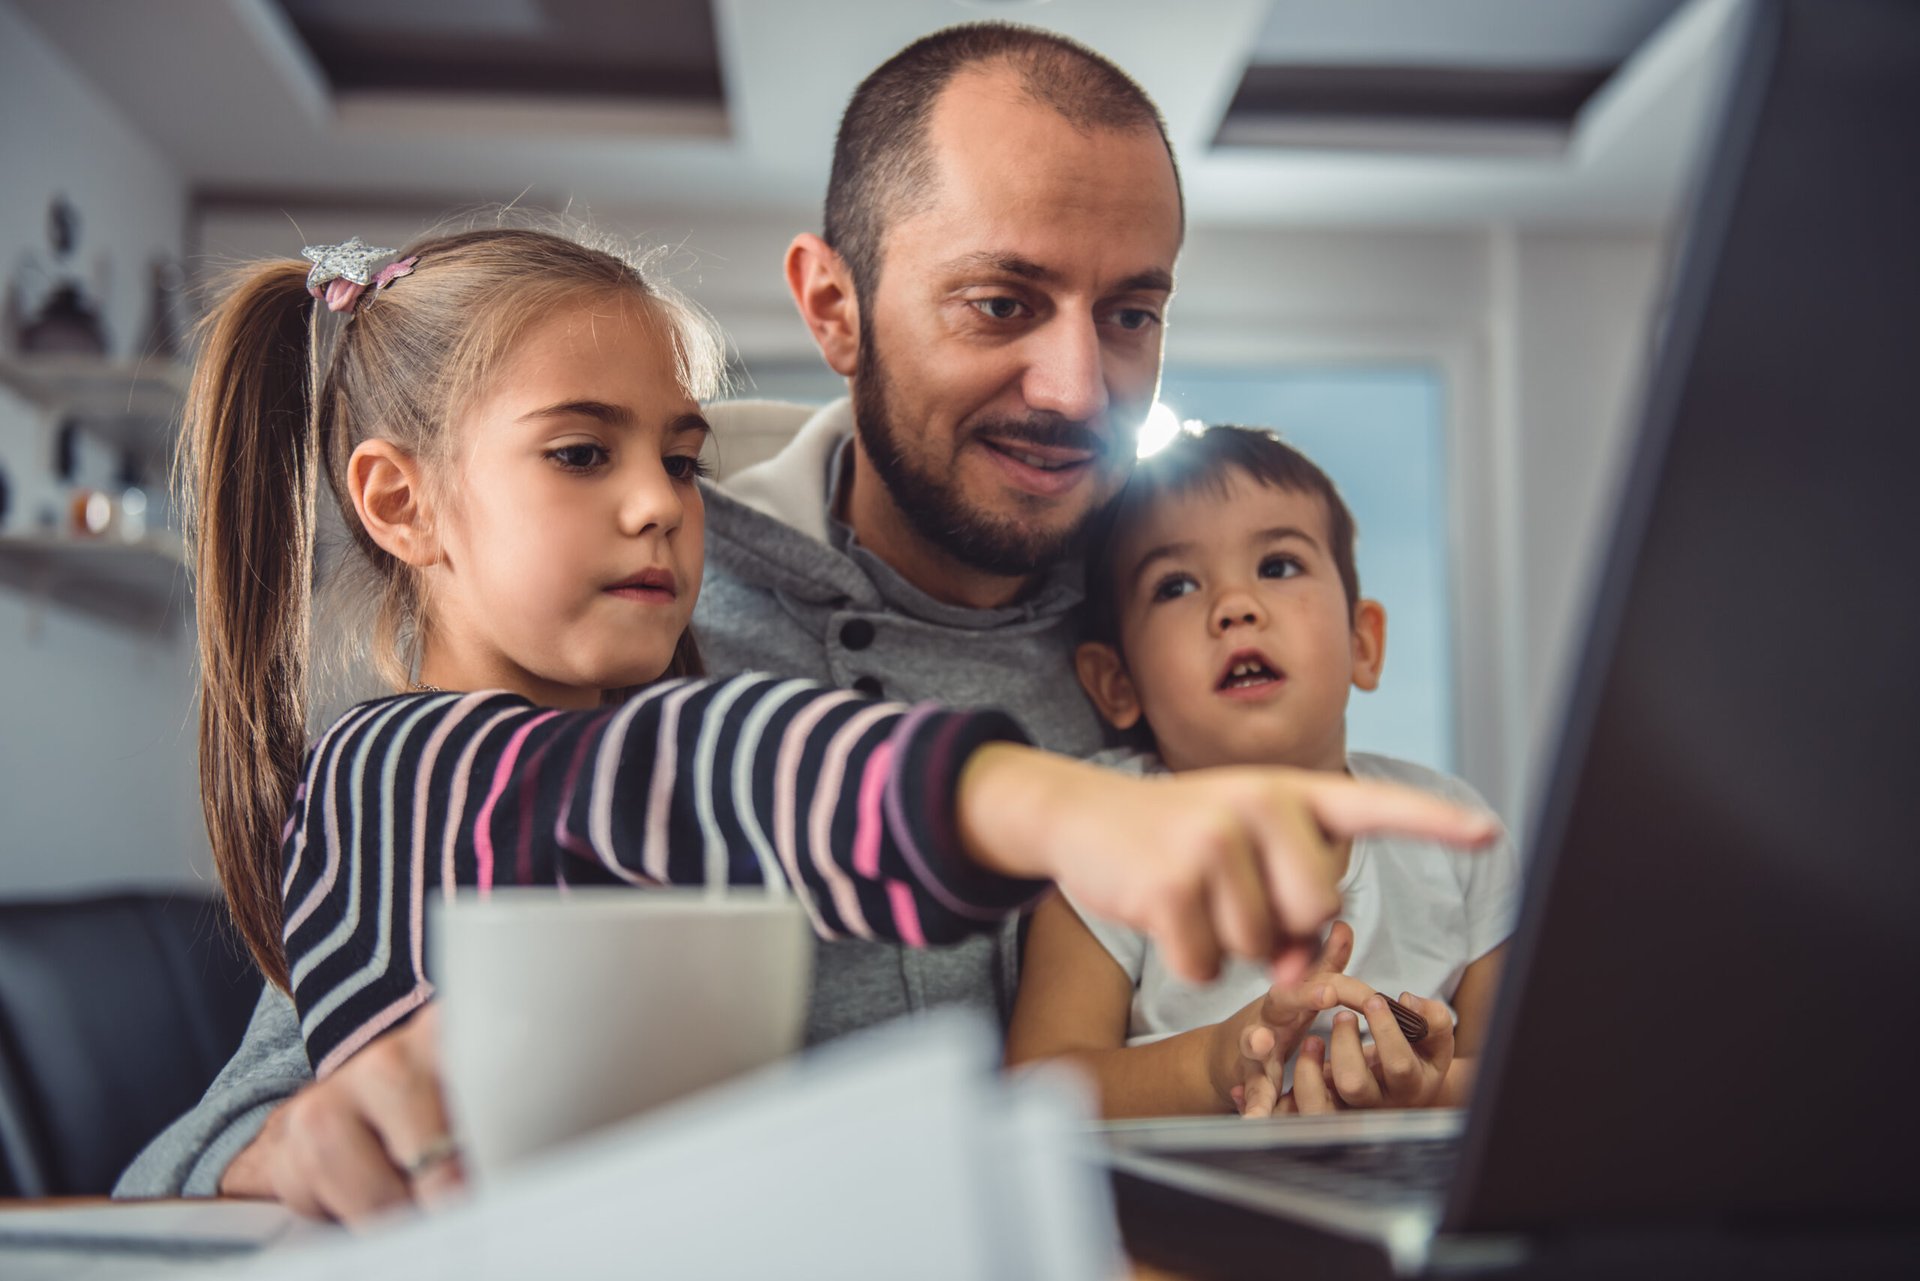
{"x":1000,"y":327}
{"x":1001,"y":227}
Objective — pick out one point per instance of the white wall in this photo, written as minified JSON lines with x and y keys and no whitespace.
{"x":97,"y":773}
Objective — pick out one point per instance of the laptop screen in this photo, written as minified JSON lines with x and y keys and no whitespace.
{"x":1707,"y":1010}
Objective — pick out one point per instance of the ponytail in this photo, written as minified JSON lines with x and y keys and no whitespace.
{"x":252,"y":451}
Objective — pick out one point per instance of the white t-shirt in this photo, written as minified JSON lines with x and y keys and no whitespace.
{"x":1420,"y":912}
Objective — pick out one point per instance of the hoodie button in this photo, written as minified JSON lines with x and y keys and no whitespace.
{"x":857,"y":634}
{"x":869,"y":685}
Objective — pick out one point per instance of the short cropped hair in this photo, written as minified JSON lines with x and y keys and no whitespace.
{"x":1202,"y":458}
{"x":882,"y":164}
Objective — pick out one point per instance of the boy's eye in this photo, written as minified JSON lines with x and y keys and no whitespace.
{"x":1280,"y":567}
{"x":998,"y":308}
{"x":1174,"y":586}
{"x":579,"y":458}
{"x":686,"y":466}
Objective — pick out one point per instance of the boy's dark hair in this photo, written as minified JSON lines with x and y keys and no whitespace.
{"x":881,"y":161}
{"x":1200,"y":457}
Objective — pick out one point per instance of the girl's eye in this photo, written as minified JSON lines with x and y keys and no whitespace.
{"x":1279,"y":567}
{"x":998,"y":308}
{"x":577,"y":458}
{"x":1173,"y":586}
{"x":686,"y":466}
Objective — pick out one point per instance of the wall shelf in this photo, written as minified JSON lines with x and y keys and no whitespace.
{"x":139,"y":584}
{"x":132,"y":404}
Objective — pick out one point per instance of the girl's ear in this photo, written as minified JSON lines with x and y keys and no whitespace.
{"x":1369,"y":644}
{"x":822,"y":289}
{"x":388,"y":496}
{"x":1103,"y":674}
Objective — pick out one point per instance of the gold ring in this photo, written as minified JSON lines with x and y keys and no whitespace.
{"x":436,"y":1153}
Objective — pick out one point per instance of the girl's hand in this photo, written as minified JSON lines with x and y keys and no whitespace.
{"x":1390,"y":1073}
{"x":1224,"y":860}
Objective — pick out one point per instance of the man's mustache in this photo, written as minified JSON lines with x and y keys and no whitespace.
{"x":1059,"y":433}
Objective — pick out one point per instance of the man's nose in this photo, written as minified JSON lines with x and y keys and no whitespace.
{"x":1067,"y":375}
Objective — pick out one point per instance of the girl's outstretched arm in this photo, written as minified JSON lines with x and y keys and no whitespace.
{"x":752,"y":780}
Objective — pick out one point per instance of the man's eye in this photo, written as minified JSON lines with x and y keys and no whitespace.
{"x":1279,"y":567}
{"x":1135,"y":318}
{"x":998,"y":308}
{"x":577,"y":457}
{"x":1174,"y":585}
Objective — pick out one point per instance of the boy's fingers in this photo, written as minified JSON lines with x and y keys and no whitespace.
{"x":1309,"y":1094}
{"x":1330,"y":991}
{"x":1338,"y":950}
{"x":1351,"y":1080}
{"x":1357,"y":806}
{"x":1399,"y":1067}
{"x":1260,"y":1096}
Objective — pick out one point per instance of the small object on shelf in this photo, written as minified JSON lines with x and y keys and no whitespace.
{"x":133,"y":514}
{"x":90,"y":513}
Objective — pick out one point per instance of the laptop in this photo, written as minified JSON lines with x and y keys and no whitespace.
{"x":1704,"y":1051}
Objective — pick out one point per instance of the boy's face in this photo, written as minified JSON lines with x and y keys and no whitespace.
{"x":1238,"y":641}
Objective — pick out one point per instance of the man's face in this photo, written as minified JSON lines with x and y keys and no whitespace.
{"x":1011,"y":348}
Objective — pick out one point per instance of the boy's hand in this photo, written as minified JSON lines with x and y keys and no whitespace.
{"x":1390,"y":1073}
{"x":1261,"y":1044}
{"x":1222,"y":860}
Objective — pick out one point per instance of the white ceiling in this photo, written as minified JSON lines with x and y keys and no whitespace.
{"x":227,"y":92}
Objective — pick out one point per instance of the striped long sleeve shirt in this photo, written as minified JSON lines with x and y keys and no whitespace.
{"x":753,"y":780}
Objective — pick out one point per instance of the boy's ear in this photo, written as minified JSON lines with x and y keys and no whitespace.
{"x":822,"y":289}
{"x":384,"y":482}
{"x":1103,"y":674}
{"x":1369,"y":644}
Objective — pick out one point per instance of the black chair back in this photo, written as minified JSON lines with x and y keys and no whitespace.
{"x":115,"y":1014}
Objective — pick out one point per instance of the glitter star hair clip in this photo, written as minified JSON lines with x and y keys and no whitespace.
{"x":341,"y":273}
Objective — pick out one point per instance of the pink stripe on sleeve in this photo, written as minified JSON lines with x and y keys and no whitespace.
{"x":868,"y":822}
{"x":906,"y":915}
{"x":502,"y":774}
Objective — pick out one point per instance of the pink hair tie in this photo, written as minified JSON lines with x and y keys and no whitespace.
{"x":341,"y":273}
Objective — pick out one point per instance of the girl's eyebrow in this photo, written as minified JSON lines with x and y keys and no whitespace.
{"x":612,"y":415}
{"x":689,"y":423}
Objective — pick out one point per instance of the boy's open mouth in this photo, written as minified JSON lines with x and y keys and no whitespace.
{"x":1249,"y":669}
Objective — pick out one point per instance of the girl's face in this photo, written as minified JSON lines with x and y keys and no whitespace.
{"x":571,"y":536}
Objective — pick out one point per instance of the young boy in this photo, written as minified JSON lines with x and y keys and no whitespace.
{"x":1225,"y":627}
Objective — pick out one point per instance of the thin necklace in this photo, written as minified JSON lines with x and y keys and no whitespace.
{"x":425,"y":688}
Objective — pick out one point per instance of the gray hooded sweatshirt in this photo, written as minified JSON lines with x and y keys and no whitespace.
{"x":788,"y":589}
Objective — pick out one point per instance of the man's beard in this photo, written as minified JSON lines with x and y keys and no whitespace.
{"x":933,"y":504}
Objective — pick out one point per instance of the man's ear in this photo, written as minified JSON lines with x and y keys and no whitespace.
{"x":822,"y":289}
{"x":1103,"y":674}
{"x":1369,"y":644}
{"x":384,"y":482}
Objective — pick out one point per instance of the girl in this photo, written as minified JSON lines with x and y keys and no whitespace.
{"x":509,"y":422}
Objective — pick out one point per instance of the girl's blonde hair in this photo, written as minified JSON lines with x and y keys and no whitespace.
{"x":276,"y":400}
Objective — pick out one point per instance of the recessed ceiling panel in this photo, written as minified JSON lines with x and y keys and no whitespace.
{"x":663,"y":50}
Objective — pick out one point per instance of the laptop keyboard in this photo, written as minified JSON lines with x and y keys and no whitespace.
{"x":1417,"y":1169}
